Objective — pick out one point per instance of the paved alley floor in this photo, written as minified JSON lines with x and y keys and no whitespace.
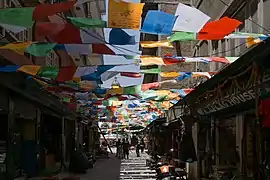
{"x":104,"y":169}
{"x":135,"y":168}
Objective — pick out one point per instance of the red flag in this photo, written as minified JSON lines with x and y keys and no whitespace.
{"x":15,"y":58}
{"x":43,"y":11}
{"x":48,"y":29}
{"x":131,"y":74}
{"x":69,"y":35}
{"x":65,"y":73}
{"x":216,"y":30}
{"x":102,"y":49}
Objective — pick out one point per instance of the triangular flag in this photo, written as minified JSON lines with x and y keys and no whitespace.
{"x":40,"y":49}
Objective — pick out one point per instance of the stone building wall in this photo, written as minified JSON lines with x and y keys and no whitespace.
{"x":186,"y":50}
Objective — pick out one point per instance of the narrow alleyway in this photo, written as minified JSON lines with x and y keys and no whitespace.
{"x":115,"y":169}
{"x":135,"y":168}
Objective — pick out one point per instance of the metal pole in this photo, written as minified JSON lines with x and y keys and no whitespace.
{"x":105,"y":139}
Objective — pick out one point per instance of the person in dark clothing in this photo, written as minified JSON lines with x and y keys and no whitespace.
{"x":138,"y":147}
{"x":118,"y":145}
{"x":142,"y":145}
{"x":126,"y":148}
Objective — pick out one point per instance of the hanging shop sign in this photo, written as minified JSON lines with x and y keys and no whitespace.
{"x":235,"y":99}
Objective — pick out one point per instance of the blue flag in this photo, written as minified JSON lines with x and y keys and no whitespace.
{"x":157,"y":22}
{"x":121,"y":37}
{"x":96,"y":75}
{"x":9,"y":68}
{"x":184,"y":76}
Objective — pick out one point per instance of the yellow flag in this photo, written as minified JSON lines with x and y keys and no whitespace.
{"x":76,"y":79}
{"x":124,"y":15}
{"x":17,"y":47}
{"x":250,"y":41}
{"x":29,"y":69}
{"x":154,"y":44}
{"x":169,"y":74}
{"x":151,"y":60}
{"x":115,"y":91}
{"x":163,"y":92}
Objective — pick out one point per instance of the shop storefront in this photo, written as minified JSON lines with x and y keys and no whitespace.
{"x":229,"y":137}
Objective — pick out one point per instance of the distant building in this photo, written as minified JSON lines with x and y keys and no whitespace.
{"x":253,"y":15}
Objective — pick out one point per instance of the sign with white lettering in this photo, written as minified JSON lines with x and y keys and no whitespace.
{"x":232,"y":100}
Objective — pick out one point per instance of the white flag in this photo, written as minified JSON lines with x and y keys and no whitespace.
{"x":189,"y":19}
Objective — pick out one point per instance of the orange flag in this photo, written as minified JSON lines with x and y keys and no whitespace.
{"x":29,"y":69}
{"x":216,"y":30}
{"x":124,"y":14}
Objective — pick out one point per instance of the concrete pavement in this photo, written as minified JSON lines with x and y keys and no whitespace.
{"x":135,"y":168}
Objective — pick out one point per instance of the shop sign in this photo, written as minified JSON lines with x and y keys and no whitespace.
{"x":233,"y":99}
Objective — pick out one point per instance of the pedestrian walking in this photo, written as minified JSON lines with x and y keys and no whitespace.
{"x":138,"y":147}
{"x":142,"y":145}
{"x":126,"y":146}
{"x":118,"y":148}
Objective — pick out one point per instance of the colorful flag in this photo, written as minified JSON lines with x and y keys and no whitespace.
{"x":169,"y":74}
{"x":15,"y":58}
{"x":131,"y":74}
{"x":124,"y":14}
{"x":40,"y":49}
{"x":120,"y":37}
{"x":217,"y":30}
{"x":250,"y":41}
{"x":17,"y":47}
{"x":157,"y":22}
{"x":151,"y":60}
{"x":80,"y":22}
{"x":29,"y":69}
{"x":65,"y":73}
{"x":151,"y":71}
{"x":48,"y":72}
{"x":21,"y":17}
{"x":189,"y":19}
{"x":154,"y":44}
{"x":43,"y":11}
{"x":182,"y":36}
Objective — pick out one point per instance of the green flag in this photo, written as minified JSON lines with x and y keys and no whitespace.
{"x":87,"y":22}
{"x":182,"y":36}
{"x":132,"y":90}
{"x":48,"y":72}
{"x":17,"y":16}
{"x":151,"y":71}
{"x":40,"y":49}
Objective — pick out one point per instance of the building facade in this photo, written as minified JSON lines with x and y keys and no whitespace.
{"x":227,"y":133}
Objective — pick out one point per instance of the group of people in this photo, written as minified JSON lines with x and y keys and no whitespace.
{"x":123,"y":147}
